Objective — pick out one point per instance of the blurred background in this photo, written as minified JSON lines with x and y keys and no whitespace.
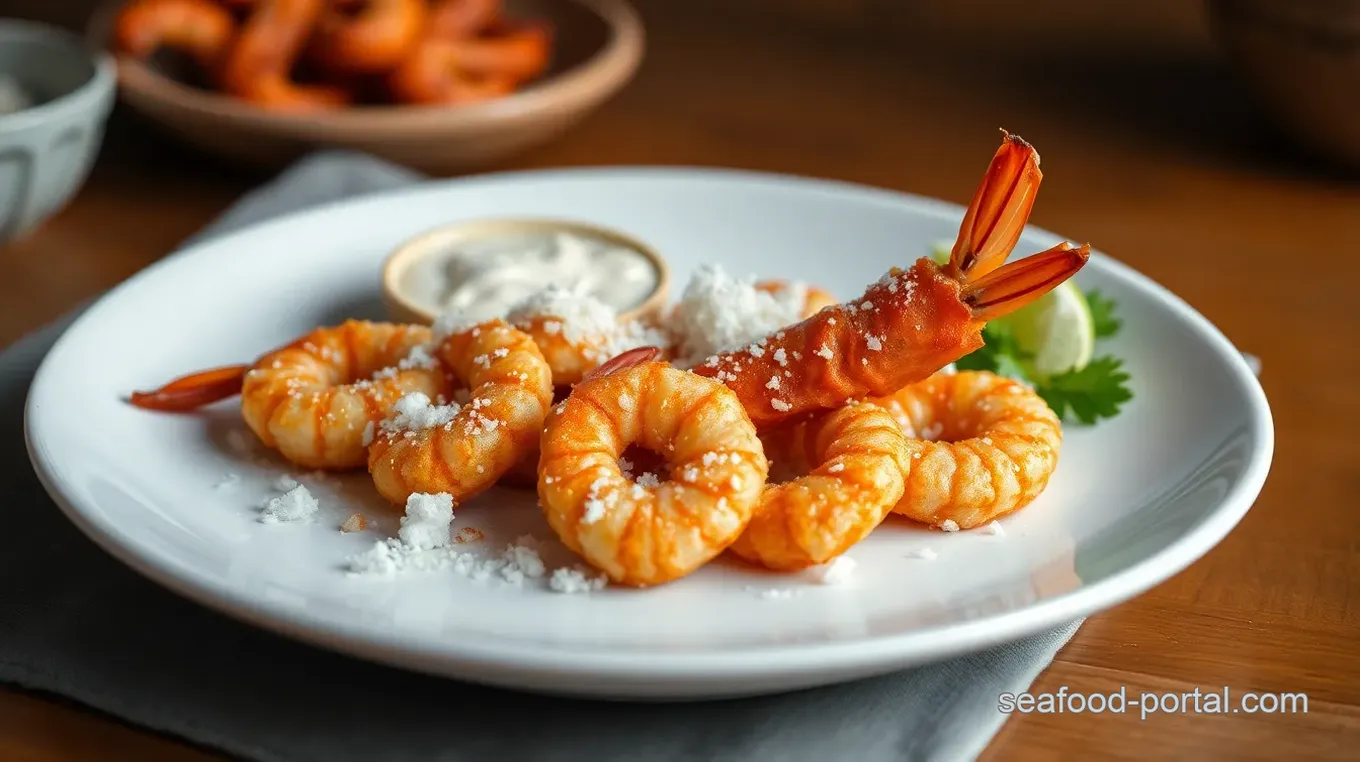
{"x":1151,"y":114}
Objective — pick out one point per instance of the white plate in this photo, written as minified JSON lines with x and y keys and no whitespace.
{"x":1134,"y":500}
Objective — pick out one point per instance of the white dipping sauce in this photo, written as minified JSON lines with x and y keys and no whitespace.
{"x":485,"y":278}
{"x":13,"y":97}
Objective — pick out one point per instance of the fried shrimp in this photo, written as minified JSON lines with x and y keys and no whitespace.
{"x":649,"y":532}
{"x":463,"y":449}
{"x":910,"y":323}
{"x":857,"y":459}
{"x":809,"y":299}
{"x":981,"y":446}
{"x":457,"y":19}
{"x":449,"y":71}
{"x":374,"y":40}
{"x":577,"y":332}
{"x":312,"y":399}
{"x":258,"y":66}
{"x":199,"y":28}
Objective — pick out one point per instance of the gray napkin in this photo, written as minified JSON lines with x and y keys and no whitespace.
{"x":75,"y":623}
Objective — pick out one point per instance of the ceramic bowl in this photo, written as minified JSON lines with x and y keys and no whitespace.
{"x":63,"y":92}
{"x":403,"y":306}
{"x":598,"y":47}
{"x":1302,"y":58}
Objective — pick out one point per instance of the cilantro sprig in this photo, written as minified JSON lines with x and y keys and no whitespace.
{"x":1096,"y":391}
{"x":1102,"y":314}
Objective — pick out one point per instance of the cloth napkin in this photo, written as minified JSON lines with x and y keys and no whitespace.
{"x":75,"y":623}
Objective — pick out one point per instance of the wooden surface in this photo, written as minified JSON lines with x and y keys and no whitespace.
{"x":1152,"y":152}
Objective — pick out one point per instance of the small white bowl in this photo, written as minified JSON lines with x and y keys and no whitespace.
{"x":403,"y":307}
{"x":48,"y":149}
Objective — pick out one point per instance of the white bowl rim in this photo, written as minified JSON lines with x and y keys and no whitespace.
{"x":99,"y":86}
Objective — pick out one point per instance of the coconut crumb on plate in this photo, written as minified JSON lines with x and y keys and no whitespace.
{"x":575,"y":580}
{"x":774,"y":593}
{"x":295,"y":505}
{"x":837,"y":572}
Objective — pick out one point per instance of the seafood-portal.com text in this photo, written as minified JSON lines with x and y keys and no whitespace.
{"x":1147,"y":704}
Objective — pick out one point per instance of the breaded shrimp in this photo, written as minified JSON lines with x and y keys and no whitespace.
{"x":258,"y":66}
{"x":312,"y":399}
{"x":981,"y":446}
{"x":911,"y":323}
{"x":376,"y":39}
{"x":858,"y":463}
{"x":200,"y":28}
{"x":643,"y":534}
{"x":463,"y":449}
{"x":577,"y":332}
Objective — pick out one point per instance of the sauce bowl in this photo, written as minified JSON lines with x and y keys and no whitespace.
{"x":405,"y":306}
{"x":49,"y":145}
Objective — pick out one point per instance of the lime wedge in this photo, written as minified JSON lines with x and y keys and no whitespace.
{"x":1056,"y":329}
{"x":940,"y":252}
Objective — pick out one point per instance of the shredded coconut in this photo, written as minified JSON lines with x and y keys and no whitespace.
{"x":584,"y":321}
{"x":452,"y":321}
{"x":925,"y":554}
{"x":582,"y":317}
{"x":415,"y":412}
{"x":419,"y":357}
{"x":519,"y":561}
{"x":995,"y":529}
{"x":838,"y":572}
{"x":949,"y":525}
{"x":297,"y":504}
{"x":575,"y":580}
{"x":427,"y":520}
{"x":775,"y":593}
{"x":719,"y":313}
{"x":781,"y":406}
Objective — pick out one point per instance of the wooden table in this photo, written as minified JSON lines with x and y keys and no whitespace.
{"x":1151,"y":151}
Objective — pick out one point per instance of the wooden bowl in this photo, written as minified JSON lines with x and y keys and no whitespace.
{"x":1302,"y":59}
{"x":597,"y":49}
{"x":402,"y":307}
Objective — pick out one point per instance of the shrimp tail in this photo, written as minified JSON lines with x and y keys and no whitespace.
{"x":1000,"y":208}
{"x":1015,"y":285}
{"x":193,"y":391}
{"x":625,"y":360}
{"x":910,"y":323}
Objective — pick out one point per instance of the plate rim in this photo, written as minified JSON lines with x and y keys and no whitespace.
{"x":513,"y":664}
